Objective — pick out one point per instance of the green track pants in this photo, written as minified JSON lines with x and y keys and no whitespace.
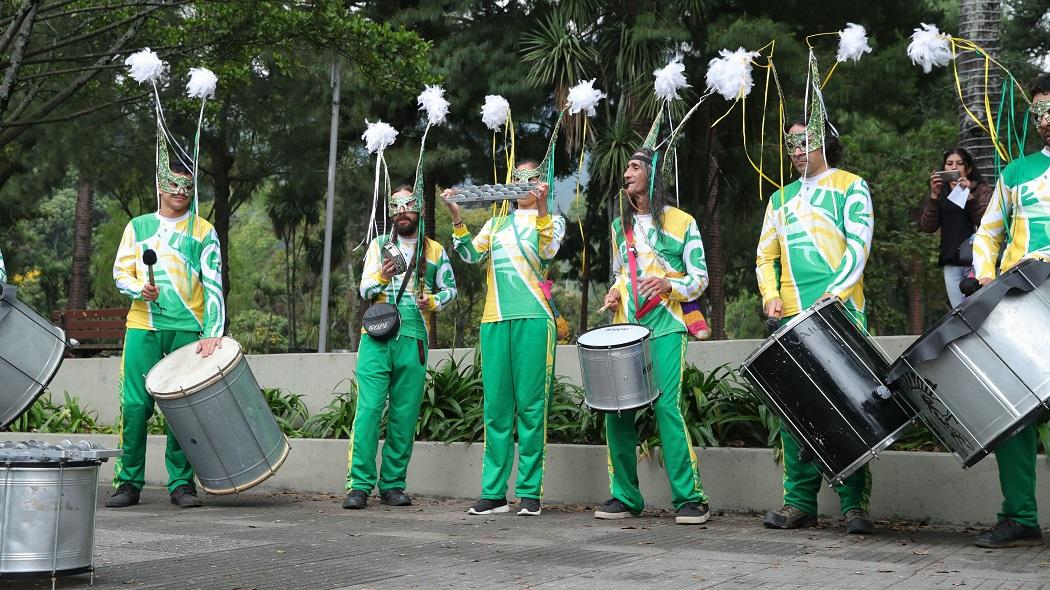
{"x":391,"y":376}
{"x":683,"y":470}
{"x":142,"y":350}
{"x":517,"y":369}
{"x":1016,"y":459}
{"x":802,"y":482}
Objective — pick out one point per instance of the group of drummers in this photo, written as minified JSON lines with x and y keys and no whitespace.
{"x":814,"y":244}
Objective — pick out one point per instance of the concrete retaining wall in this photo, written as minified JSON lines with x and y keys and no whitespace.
{"x":906,"y":485}
{"x":319,"y":376}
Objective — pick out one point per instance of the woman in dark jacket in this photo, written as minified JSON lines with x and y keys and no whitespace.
{"x":957,"y":224}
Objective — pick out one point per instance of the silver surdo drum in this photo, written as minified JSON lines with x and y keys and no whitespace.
{"x":617,"y":367}
{"x":217,"y":412}
{"x":823,"y":378}
{"x":47,"y":499}
{"x":982,"y":372}
{"x":31,"y":351}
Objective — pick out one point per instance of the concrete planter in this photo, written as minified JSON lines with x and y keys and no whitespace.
{"x":910,"y":485}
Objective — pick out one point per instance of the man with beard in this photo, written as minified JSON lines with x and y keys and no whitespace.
{"x":391,"y":373}
{"x":1022,"y":195}
{"x":814,"y":245}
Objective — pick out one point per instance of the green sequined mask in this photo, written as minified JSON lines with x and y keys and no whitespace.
{"x":404,"y":204}
{"x":797,"y":141}
{"x":1041,"y":111}
{"x":170,"y":182}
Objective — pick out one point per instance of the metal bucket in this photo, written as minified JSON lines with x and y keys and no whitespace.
{"x":47,"y":499}
{"x":981,"y":373}
{"x":617,"y":367}
{"x":31,"y":351}
{"x":217,"y":412}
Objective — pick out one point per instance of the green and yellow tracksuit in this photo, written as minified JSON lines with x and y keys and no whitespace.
{"x":190,"y":304}
{"x":815,"y":239}
{"x":518,"y":336}
{"x":391,"y":374}
{"x":1022,"y":195}
{"x":3,"y":271}
{"x":673,"y":251}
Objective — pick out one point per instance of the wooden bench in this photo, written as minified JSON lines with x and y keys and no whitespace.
{"x":92,"y":331}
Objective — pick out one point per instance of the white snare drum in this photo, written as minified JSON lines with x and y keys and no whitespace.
{"x":617,"y":367}
{"x":217,"y":412}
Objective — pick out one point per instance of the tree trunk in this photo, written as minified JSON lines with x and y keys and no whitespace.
{"x":979,"y":22}
{"x":585,"y":291}
{"x":915,"y":316}
{"x":81,"y":272}
{"x":222,"y":164}
{"x":716,"y":268}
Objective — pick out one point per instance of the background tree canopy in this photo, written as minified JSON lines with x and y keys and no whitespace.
{"x":76,"y":137}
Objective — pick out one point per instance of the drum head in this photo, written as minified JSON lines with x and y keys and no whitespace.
{"x":184,"y":371}
{"x":613,"y":336}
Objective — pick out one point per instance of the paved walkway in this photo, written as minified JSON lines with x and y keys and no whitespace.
{"x":257,"y":541}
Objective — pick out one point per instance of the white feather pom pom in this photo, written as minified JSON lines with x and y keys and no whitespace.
{"x":202,"y":83}
{"x":670,"y":79}
{"x":929,"y":47}
{"x":432,"y":100}
{"x":853,"y":42}
{"x":495,"y":111}
{"x":584,"y":97}
{"x":730,"y":74}
{"x":145,"y":66}
{"x":378,"y":136}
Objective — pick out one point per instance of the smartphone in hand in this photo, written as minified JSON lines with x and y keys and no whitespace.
{"x":948,"y":176}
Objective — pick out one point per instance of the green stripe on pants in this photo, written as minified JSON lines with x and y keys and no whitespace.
{"x":142,"y":350}
{"x":1016,"y":459}
{"x":517,"y":367}
{"x":683,"y":470}
{"x":391,"y":376}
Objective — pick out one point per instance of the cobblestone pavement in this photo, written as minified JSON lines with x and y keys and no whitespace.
{"x":307,"y":542}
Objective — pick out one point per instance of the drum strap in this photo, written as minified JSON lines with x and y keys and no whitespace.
{"x":632,"y":268}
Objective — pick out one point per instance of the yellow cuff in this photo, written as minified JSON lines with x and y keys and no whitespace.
{"x":379,"y":278}
{"x":460,"y":231}
{"x":544,"y":222}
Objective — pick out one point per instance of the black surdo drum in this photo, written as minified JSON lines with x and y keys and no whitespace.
{"x":823,"y":377}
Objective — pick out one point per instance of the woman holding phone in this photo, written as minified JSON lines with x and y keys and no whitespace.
{"x":957,"y":200}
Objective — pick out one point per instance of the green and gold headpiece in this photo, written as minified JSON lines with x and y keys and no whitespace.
{"x":813,"y":137}
{"x":545,"y":171}
{"x":167,"y":180}
{"x":410,"y":203}
{"x":1040,"y":111}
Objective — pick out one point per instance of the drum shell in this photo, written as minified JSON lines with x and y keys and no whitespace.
{"x":617,"y":378}
{"x":31,"y":351}
{"x":819,"y":374}
{"x":48,"y":523}
{"x":986,"y":386}
{"x":227,"y":430}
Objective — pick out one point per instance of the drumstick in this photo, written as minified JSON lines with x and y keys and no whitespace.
{"x":604,"y":307}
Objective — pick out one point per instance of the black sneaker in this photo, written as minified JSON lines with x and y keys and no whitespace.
{"x":395,"y":497}
{"x":692,"y":513}
{"x":529,"y":507}
{"x":125,"y":495}
{"x":859,"y":523}
{"x":789,"y":517}
{"x":1009,"y":533}
{"x":486,"y":506}
{"x":185,"y":496}
{"x":355,"y":500}
{"x":613,"y":509}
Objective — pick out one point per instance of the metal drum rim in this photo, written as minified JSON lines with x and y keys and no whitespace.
{"x":254,"y":482}
{"x":782,"y":330}
{"x":648,"y":335}
{"x":200,"y":386}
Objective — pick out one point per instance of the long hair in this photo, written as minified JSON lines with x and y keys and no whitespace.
{"x":832,"y":146}
{"x":657,"y":200}
{"x":968,"y":161}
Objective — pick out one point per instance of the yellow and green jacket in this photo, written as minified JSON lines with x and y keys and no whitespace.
{"x":675,"y":252}
{"x":816,"y":237}
{"x":3,"y":271}
{"x":188,"y":273}
{"x":438,"y":280}
{"x":518,"y":248}
{"x":1022,"y":195}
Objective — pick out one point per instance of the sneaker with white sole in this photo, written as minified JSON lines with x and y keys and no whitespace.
{"x":692,"y":513}
{"x":529,"y":507}
{"x":487,"y":506}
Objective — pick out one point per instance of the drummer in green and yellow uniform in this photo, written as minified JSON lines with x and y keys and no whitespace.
{"x":391,"y":373}
{"x":1018,"y":221}
{"x":668,"y":253}
{"x":185,"y":305}
{"x":814,"y":244}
